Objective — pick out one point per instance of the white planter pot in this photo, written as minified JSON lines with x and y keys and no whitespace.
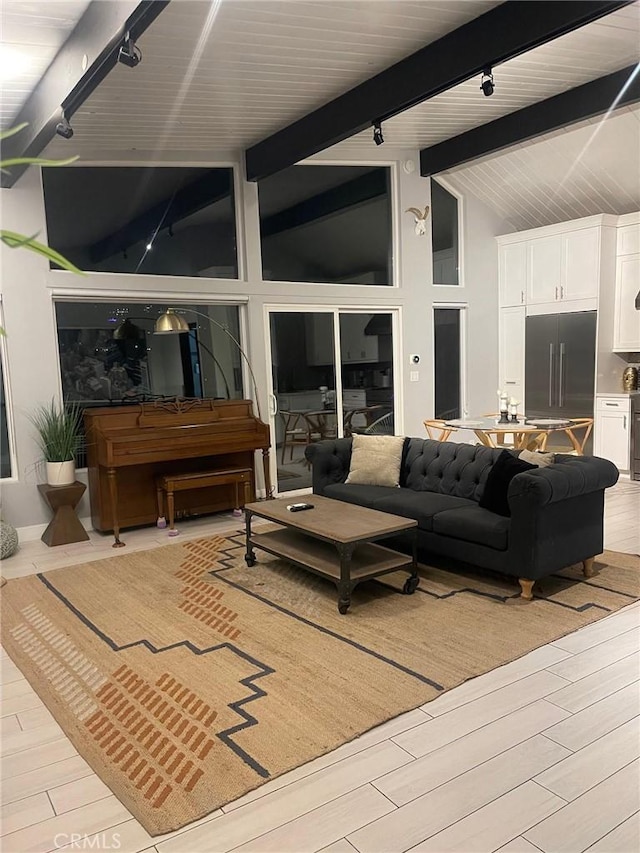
{"x":61,"y":473}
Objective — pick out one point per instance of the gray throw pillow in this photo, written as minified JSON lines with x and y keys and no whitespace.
{"x":537,"y":457}
{"x":375,"y":460}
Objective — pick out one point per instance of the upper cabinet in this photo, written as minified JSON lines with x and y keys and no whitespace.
{"x":355,"y":344}
{"x":626,"y":323}
{"x":555,"y":267}
{"x":544,"y":279}
{"x":513,"y":274}
{"x":581,"y":264}
{"x":564,"y":266}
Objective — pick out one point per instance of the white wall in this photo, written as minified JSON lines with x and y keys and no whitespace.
{"x":28,"y":287}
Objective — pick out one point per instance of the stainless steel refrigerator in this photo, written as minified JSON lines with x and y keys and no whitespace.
{"x":560,"y":355}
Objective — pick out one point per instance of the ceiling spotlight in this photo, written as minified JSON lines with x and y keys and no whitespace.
{"x":129,"y":54}
{"x":378,"y":138}
{"x":149,"y":247}
{"x":486,"y":83}
{"x":63,"y":128}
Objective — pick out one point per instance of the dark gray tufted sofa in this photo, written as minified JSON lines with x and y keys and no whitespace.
{"x":556,"y":512}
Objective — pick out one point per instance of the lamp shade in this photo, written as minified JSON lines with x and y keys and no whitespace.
{"x":170,"y":323}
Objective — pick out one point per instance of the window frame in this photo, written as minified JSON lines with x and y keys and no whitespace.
{"x":463,"y":324}
{"x":238,"y":213}
{"x":141,"y":298}
{"x":394,"y":199}
{"x":460,"y":204}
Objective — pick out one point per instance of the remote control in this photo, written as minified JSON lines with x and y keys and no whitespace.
{"x":299,"y":507}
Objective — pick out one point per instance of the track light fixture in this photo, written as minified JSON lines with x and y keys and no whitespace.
{"x":63,"y":128}
{"x":486,"y":83}
{"x":378,"y":138}
{"x":129,"y":54}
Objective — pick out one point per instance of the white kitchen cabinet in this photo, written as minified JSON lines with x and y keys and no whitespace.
{"x":629,"y":234}
{"x":567,"y":263}
{"x":581,"y":264}
{"x":513,"y":274}
{"x":544,"y":272}
{"x":355,"y":346}
{"x":612,"y":430}
{"x":511,"y":342}
{"x":564,"y":267}
{"x":626,"y":323}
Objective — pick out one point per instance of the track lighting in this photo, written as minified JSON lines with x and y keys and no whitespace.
{"x":378,"y":138}
{"x":486,"y":83}
{"x":129,"y":54}
{"x":63,"y":128}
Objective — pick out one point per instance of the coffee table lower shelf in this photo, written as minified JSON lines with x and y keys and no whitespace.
{"x":345,"y":565}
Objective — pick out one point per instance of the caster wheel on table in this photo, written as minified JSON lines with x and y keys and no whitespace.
{"x":250,"y":561}
{"x":343,"y":607}
{"x":410,"y":586}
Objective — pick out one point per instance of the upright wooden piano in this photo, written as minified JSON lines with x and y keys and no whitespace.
{"x":128,"y":446}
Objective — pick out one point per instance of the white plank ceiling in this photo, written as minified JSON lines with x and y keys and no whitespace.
{"x":30,"y":35}
{"x":590,"y":168}
{"x":219,"y":76}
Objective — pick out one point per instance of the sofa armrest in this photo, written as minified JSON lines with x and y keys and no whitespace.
{"x":568,"y":477}
{"x":330,"y":461}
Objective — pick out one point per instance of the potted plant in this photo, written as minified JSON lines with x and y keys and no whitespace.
{"x":58,"y":429}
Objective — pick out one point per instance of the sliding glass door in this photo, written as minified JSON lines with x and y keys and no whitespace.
{"x":332,"y":375}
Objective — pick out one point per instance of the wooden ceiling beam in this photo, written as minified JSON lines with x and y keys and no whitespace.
{"x":502,"y":33}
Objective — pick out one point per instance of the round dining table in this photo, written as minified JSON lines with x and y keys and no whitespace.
{"x":526,"y":432}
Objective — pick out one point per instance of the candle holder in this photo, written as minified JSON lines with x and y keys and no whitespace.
{"x":514,"y":418}
{"x":504,"y":416}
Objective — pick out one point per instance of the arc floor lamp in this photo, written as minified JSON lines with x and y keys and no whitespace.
{"x":174,"y":323}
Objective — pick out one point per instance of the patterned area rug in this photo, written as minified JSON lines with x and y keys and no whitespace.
{"x":186,"y":679}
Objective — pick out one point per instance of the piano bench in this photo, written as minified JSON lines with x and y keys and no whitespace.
{"x":168,"y":484}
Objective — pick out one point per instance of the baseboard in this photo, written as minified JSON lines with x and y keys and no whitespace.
{"x":34,"y":531}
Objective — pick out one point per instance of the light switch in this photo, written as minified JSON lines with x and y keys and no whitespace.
{"x":414,"y":376}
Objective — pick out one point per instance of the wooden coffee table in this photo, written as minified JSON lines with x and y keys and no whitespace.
{"x":335,"y":540}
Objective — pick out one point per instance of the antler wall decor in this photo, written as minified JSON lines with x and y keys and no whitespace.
{"x":420,"y":219}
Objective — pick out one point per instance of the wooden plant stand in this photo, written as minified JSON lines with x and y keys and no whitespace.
{"x":65,"y":526}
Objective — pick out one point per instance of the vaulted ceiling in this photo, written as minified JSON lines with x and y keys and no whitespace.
{"x":218,"y":77}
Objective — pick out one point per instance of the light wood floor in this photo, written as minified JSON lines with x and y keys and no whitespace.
{"x":540,"y":755}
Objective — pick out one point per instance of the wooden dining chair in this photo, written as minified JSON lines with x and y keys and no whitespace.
{"x":437,"y":429}
{"x":296,"y":432}
{"x":578,"y":441}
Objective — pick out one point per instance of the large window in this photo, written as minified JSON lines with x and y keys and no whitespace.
{"x":444,"y":230}
{"x":158,"y":221}
{"x":327,"y":224}
{"x":110,"y":356}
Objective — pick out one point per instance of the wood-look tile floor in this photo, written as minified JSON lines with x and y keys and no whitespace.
{"x":540,"y":755}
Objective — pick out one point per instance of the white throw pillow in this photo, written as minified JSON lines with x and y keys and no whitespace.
{"x":537,"y":457}
{"x":375,"y":460}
